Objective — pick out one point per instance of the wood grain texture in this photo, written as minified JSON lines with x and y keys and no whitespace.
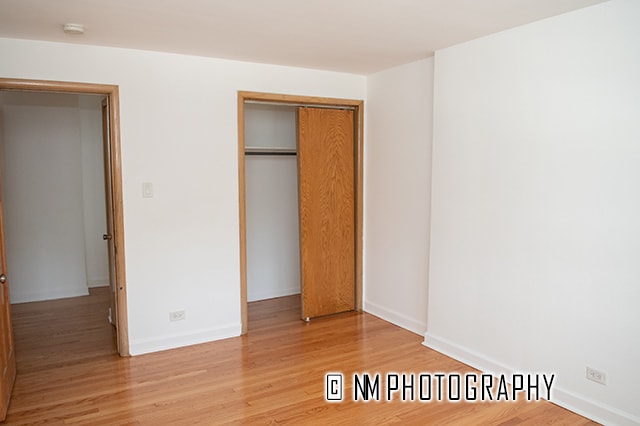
{"x":113,"y":97}
{"x":111,"y":252}
{"x":244,"y":96}
{"x":359,"y":176}
{"x":112,"y":94}
{"x":326,"y":181}
{"x":7,"y":352}
{"x":242,"y":210}
{"x":283,"y":98}
{"x":70,"y":374}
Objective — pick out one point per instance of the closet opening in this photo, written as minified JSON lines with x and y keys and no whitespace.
{"x":300,"y":182}
{"x":271,"y":197}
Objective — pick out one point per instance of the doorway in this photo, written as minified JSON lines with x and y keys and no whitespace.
{"x":349,"y":114}
{"x":113,"y":181}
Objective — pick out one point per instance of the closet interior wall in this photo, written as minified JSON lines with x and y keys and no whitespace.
{"x":271,"y":190}
{"x":53,"y":194}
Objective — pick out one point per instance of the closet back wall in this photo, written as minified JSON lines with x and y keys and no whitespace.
{"x":53,"y":193}
{"x":271,"y":187}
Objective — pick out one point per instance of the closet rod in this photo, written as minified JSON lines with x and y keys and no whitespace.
{"x":293,"y":104}
{"x":269,"y":151}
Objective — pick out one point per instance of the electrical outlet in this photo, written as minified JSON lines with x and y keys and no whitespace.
{"x":596,"y":376}
{"x":176,"y":316}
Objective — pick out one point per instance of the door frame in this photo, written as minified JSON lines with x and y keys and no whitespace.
{"x":358,"y":106}
{"x":111,"y":92}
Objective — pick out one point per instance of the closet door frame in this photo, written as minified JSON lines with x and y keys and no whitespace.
{"x":358,"y":106}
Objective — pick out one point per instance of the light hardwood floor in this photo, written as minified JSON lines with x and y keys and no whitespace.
{"x":69,"y":373}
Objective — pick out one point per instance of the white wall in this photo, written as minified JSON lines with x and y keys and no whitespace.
{"x":397,"y":193}
{"x":42,"y":184}
{"x":271,"y":187}
{"x":93,"y":191}
{"x":535,"y":237}
{"x":179,"y":132}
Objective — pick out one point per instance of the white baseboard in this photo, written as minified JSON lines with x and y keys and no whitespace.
{"x":255,"y":296}
{"x":145,"y":346}
{"x":97,"y":282}
{"x":39,"y":296}
{"x":597,"y":411}
{"x":394,"y":317}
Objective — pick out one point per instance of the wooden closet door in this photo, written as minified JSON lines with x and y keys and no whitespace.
{"x":326,"y":180}
{"x":7,"y":353}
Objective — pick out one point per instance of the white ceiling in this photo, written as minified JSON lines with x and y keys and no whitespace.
{"x":357,"y":36}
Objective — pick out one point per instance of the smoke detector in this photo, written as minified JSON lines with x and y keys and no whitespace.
{"x":74,"y":29}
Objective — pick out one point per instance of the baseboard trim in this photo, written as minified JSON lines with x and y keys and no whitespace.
{"x":145,"y":346}
{"x":596,"y":411}
{"x":97,"y":282}
{"x":40,"y":296}
{"x":394,"y":317}
{"x":254,"y":297}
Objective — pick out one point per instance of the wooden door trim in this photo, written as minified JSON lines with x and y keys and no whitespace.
{"x":113,"y":96}
{"x":358,"y":106}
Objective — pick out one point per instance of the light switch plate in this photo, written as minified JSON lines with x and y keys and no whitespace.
{"x":147,"y":190}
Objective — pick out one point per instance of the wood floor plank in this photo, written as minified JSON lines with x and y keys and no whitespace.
{"x":69,"y":373}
